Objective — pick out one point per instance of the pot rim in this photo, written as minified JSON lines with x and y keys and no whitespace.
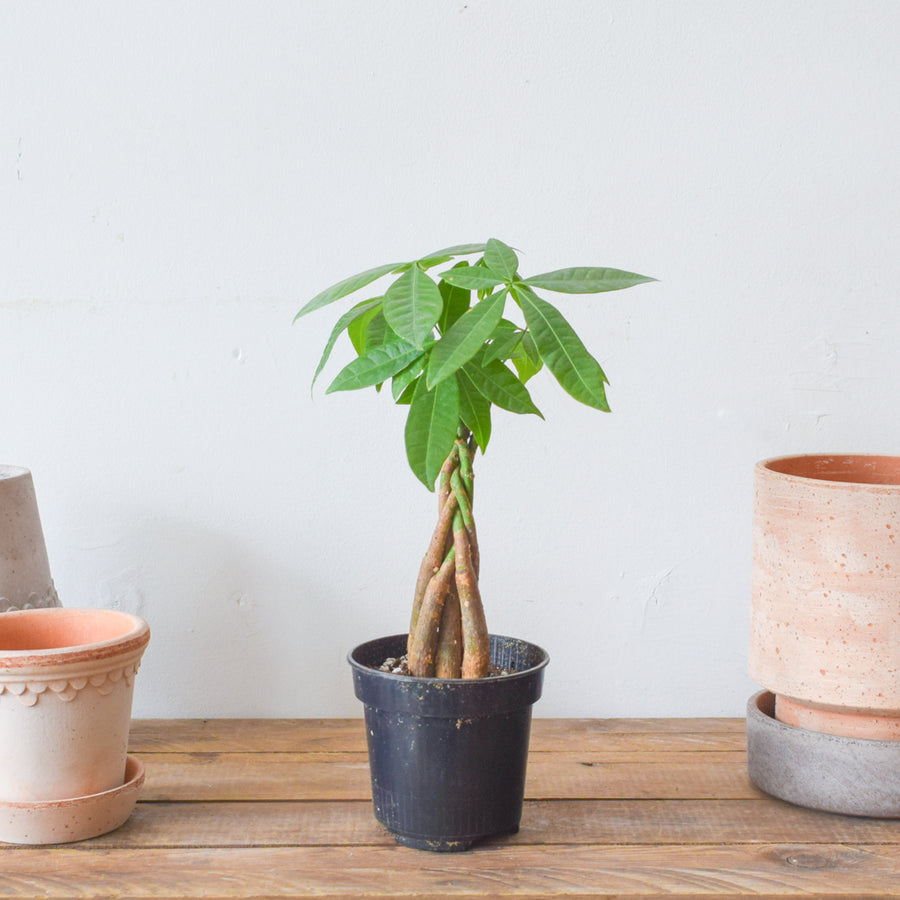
{"x":767,"y":467}
{"x":10,"y":472}
{"x":487,"y":679}
{"x":133,"y":639}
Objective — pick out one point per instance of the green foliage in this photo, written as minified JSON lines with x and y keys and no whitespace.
{"x":448,"y":350}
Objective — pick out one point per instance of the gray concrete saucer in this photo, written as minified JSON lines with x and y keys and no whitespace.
{"x":821,"y":771}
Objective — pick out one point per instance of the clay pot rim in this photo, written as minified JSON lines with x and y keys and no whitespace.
{"x":133,"y":639}
{"x":769,"y":468}
{"x":7,"y":471}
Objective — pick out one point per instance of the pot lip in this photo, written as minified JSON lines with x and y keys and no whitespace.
{"x":8,"y":472}
{"x":369,"y":672}
{"x":765,"y":467}
{"x":761,"y":712}
{"x":135,"y":639}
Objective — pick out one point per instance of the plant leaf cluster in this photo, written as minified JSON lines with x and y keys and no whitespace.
{"x":450,"y":353}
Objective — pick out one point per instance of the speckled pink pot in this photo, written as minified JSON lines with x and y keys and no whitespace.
{"x":66,"y":686}
{"x":825,"y":627}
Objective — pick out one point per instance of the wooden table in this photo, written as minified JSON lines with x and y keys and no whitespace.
{"x":615,"y":808}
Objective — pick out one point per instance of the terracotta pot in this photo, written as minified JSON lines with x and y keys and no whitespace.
{"x":66,"y":686}
{"x":825,"y":627}
{"x":25,"y":581}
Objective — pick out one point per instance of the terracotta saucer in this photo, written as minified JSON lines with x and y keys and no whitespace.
{"x":63,"y":821}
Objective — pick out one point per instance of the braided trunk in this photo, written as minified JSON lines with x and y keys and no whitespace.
{"x":448,"y":635}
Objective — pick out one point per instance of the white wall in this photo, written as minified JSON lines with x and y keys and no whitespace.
{"x":176,"y":179}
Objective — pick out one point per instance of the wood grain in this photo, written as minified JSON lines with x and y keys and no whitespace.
{"x":570,"y":822}
{"x":615,"y":808}
{"x":345,"y":776}
{"x":496,"y":871}
{"x":338,"y":735}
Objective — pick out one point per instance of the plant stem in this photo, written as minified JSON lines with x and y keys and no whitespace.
{"x":448,"y":635}
{"x":422,"y":648}
{"x":465,"y":507}
{"x":448,"y":663}
{"x":436,"y":553}
{"x":476,"y":643}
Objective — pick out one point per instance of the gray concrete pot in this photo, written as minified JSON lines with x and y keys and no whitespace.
{"x":854,"y":776}
{"x":25,"y":581}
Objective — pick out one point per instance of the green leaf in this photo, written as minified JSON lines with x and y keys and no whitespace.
{"x":501,"y":259}
{"x":431,"y":428}
{"x":412,"y":306}
{"x":465,"y":338}
{"x":448,"y":253}
{"x":496,"y":383}
{"x":375,"y":366}
{"x":503,"y":342}
{"x":530,"y":348}
{"x":456,"y":302}
{"x":348,"y":286}
{"x":474,"y":409}
{"x":532,"y":363}
{"x":358,"y":328}
{"x":566,"y":357}
{"x":586,"y":280}
{"x":404,"y":378}
{"x":378,"y":332}
{"x":526,"y":368}
{"x":472,"y":278}
{"x":361,"y":309}
{"x":457,"y":250}
{"x":406,"y":397}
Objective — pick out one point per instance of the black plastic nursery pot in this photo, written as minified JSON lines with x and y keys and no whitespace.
{"x":448,"y":756}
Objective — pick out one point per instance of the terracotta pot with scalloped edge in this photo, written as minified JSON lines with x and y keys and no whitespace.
{"x":825,"y":630}
{"x":66,"y":688}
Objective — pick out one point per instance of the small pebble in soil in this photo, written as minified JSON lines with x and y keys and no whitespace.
{"x":400,"y":666}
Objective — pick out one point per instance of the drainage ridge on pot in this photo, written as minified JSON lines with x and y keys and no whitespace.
{"x":66,"y":688}
{"x":448,"y":756}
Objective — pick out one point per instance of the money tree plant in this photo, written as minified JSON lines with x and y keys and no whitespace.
{"x":450,"y":353}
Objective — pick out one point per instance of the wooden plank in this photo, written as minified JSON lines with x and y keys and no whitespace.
{"x":569,"y":822}
{"x":640,"y":871}
{"x":579,"y":733}
{"x":342,"y":735}
{"x":247,"y":735}
{"x":345,"y":776}
{"x":254,"y":776}
{"x":624,"y":808}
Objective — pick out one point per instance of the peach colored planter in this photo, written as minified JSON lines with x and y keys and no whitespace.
{"x":66,"y":686}
{"x":825,"y":627}
{"x":25,"y":581}
{"x":54,"y":822}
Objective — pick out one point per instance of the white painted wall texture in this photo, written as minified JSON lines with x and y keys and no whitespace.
{"x":176,"y":179}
